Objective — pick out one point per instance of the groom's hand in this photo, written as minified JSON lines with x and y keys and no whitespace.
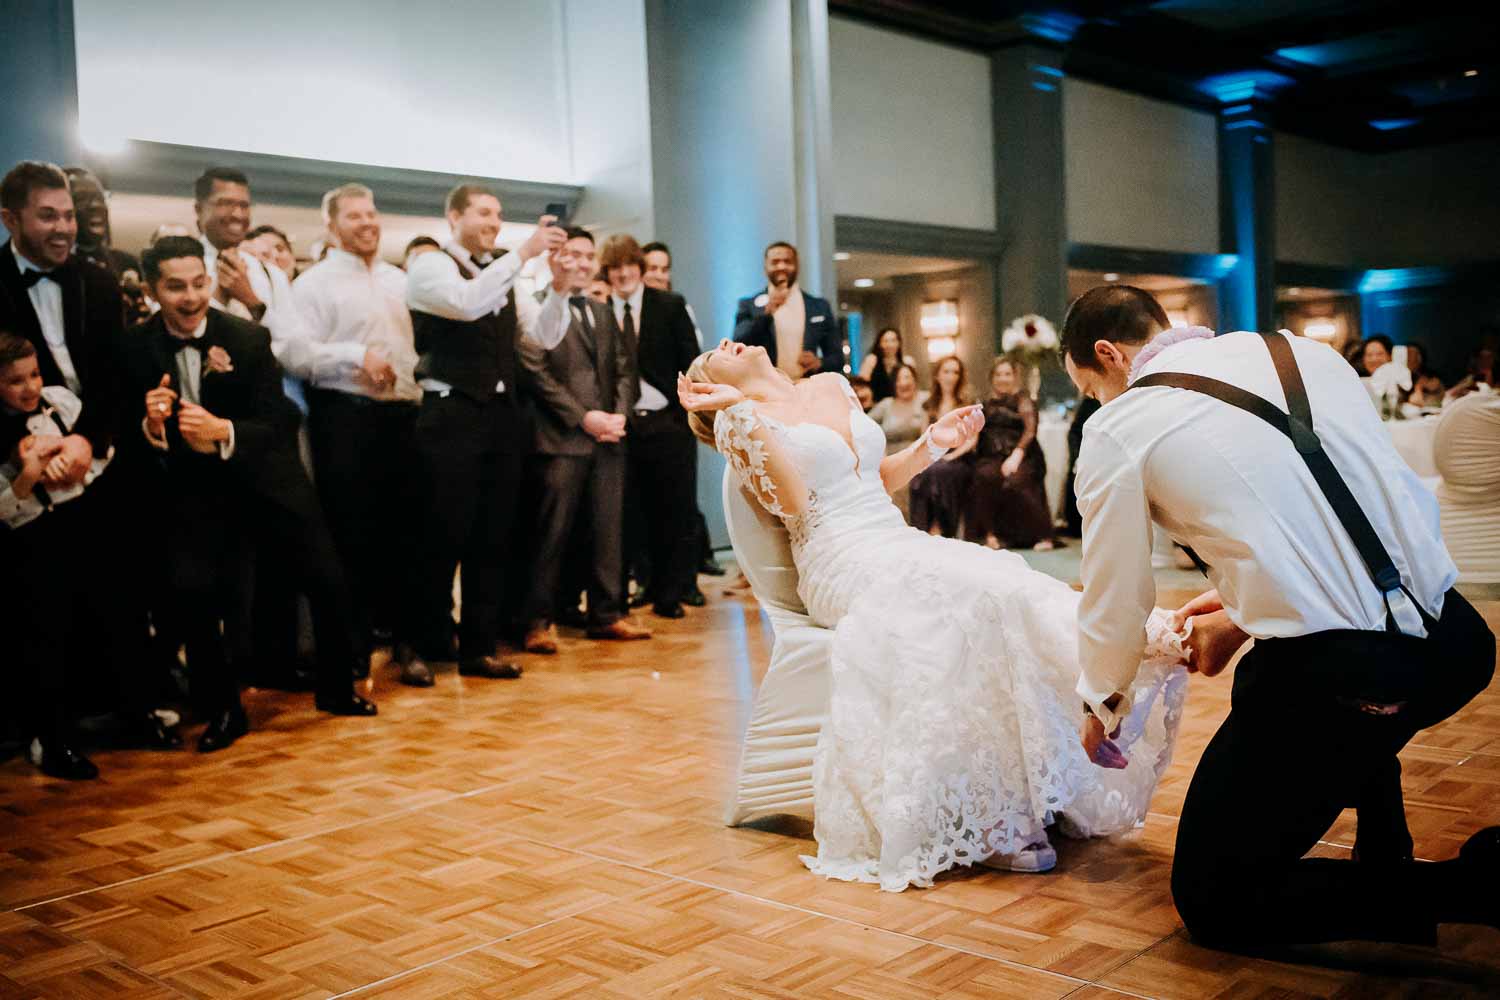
{"x":1101,"y":749}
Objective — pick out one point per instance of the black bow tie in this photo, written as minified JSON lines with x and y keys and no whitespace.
{"x":29,"y":278}
{"x":480,"y":265}
{"x":178,"y":343}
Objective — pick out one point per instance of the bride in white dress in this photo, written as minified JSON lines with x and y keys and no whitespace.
{"x":952,"y":737}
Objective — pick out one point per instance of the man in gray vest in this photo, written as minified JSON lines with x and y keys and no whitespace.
{"x":473,"y":431}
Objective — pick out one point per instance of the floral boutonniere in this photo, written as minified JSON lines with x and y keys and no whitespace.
{"x":219,"y":360}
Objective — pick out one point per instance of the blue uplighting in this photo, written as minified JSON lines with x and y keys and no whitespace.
{"x":1039,"y":85}
{"x":1237,"y":109}
{"x":1392,"y":124}
{"x":1226,"y":262}
{"x":1046,"y":70}
{"x":1055,"y":26}
{"x":1232,"y":88}
{"x":1391,"y":279}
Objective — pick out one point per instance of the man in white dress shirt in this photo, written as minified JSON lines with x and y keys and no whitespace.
{"x":473,"y":432}
{"x":361,"y":420}
{"x":1340,"y":677}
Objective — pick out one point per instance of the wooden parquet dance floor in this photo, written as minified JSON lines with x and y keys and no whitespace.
{"x":560,"y":836}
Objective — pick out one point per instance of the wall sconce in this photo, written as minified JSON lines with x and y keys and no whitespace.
{"x":940,"y":328}
{"x":1320,"y":329}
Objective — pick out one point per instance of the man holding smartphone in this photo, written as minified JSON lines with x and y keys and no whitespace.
{"x":799,"y":331}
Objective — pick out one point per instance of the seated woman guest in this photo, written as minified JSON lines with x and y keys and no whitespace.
{"x":880,"y":364}
{"x":903,"y":418}
{"x":1481,"y":372}
{"x":1377,"y":352}
{"x":939,"y":493}
{"x":1008,"y":501}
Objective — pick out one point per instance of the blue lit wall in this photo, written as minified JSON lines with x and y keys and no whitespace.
{"x":38,"y":76}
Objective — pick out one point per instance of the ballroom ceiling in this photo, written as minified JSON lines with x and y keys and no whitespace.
{"x":1371,"y":76}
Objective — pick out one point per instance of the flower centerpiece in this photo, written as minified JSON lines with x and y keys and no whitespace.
{"x":1028,"y":342}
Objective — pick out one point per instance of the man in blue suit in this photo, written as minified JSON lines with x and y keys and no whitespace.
{"x":799,"y":331}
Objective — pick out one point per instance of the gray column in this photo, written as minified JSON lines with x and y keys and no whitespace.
{"x":740,"y":150}
{"x":1030,"y":185}
{"x":1247,"y":217}
{"x":39,"y":78}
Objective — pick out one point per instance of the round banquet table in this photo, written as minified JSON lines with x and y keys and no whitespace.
{"x":1413,"y":440}
{"x":1052,"y":435}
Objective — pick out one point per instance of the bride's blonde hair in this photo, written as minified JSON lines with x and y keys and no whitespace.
{"x":701,"y":422}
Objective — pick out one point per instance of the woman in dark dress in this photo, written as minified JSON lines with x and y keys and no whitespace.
{"x":939,"y":494}
{"x":1008,"y":500}
{"x":886,"y":355}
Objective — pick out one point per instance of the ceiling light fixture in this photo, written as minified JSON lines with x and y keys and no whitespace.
{"x":1111,"y":276}
{"x":1471,"y":72}
{"x":864,"y":282}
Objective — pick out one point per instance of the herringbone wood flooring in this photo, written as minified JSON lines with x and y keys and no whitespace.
{"x":560,"y":836}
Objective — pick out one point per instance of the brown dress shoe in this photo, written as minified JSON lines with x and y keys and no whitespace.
{"x":490,"y":667}
{"x":541,"y":639}
{"x":620,"y":630}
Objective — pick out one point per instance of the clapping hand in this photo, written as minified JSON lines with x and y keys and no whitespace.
{"x":1101,"y":749}
{"x":234,"y":280}
{"x":776,"y":297}
{"x":695,"y":396}
{"x":201,"y":430}
{"x":160,"y":402}
{"x":957,"y":428}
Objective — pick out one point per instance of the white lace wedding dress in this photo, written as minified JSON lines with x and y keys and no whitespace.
{"x":953,"y":729}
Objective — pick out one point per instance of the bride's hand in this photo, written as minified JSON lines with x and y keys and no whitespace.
{"x":957,"y":428}
{"x":696,"y":396}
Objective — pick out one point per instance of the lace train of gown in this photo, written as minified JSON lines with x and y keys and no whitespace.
{"x":953,"y":726}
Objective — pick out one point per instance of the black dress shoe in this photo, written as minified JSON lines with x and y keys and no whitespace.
{"x":709,"y":567}
{"x":223,"y":729}
{"x":58,"y":760}
{"x":489,"y":667}
{"x":149,"y":732}
{"x":345,"y":703}
{"x":669,"y":611}
{"x":694,"y":598}
{"x":414,"y":670}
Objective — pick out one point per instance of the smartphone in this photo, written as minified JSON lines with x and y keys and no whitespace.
{"x":560,"y":210}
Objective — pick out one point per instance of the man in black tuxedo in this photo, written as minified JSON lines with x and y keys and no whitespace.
{"x":799,"y":331}
{"x":72,"y":312}
{"x":216,"y":440}
{"x":662,"y":470}
{"x":585,"y":387}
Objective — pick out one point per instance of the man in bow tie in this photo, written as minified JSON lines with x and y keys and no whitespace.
{"x":73,"y":314}
{"x":215,"y":439}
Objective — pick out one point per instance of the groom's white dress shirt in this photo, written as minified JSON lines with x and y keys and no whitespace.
{"x":1231,"y":487}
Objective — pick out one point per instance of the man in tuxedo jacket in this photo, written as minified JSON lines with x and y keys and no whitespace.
{"x":584,"y":388}
{"x":72,"y":312}
{"x":216,"y":441}
{"x":662,"y":471}
{"x":799,"y":331}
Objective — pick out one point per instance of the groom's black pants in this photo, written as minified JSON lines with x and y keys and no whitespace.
{"x":1298,"y":746}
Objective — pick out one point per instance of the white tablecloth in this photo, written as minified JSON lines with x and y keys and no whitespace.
{"x":1052,"y":435}
{"x":1413,"y":440}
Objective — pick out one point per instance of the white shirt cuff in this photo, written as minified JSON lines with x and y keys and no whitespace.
{"x":226,"y":448}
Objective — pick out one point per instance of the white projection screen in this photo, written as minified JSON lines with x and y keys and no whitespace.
{"x":463,"y":86}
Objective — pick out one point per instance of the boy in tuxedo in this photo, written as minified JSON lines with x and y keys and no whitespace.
{"x":39,"y":547}
{"x":216,"y":440}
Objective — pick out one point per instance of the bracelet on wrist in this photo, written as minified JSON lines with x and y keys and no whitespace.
{"x":934,"y":451}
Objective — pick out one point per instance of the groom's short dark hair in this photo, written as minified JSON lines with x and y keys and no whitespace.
{"x":1120,"y":314}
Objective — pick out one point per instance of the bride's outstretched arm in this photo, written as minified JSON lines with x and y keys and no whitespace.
{"x":956,"y":429}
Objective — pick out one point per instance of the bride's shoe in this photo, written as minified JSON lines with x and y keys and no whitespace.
{"x":1033,"y":859}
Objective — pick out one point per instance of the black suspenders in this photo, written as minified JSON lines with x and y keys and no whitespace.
{"x":1297,"y":424}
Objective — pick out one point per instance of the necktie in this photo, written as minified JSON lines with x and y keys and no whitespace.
{"x":580,"y":307}
{"x":29,"y":278}
{"x":629,"y":325}
{"x":480,"y":265}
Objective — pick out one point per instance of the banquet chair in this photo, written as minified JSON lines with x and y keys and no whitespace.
{"x":776,"y":755}
{"x":1466,"y":451}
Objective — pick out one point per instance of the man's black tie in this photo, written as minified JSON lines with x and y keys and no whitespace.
{"x":29,"y":278}
{"x":480,"y":265}
{"x":629,"y":325}
{"x":581,"y":306}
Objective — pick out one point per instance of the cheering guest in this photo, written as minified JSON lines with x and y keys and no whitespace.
{"x":879,"y":367}
{"x":361,"y":424}
{"x":39,"y":548}
{"x":91,"y":203}
{"x":215,"y":441}
{"x":658,"y":275}
{"x":472,"y":432}
{"x":273,"y":248}
{"x":1376,"y":354}
{"x":799,"y":331}
{"x":1008,"y":505}
{"x":939,"y":493}
{"x":585,"y":387}
{"x":73,"y":314}
{"x":663,"y":455}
